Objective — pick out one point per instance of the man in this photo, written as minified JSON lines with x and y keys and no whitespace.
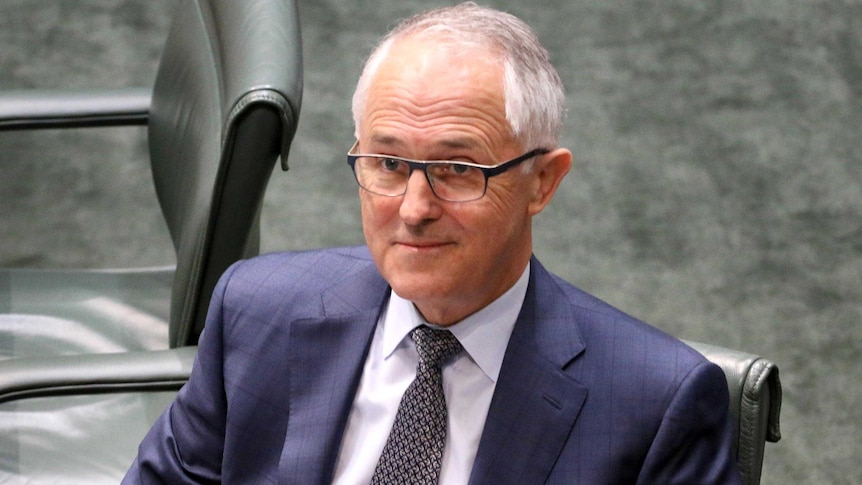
{"x":307,"y":357}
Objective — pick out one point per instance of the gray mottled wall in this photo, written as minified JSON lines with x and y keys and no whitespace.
{"x":716,"y":191}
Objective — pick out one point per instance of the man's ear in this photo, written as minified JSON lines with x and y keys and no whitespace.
{"x":548,"y":171}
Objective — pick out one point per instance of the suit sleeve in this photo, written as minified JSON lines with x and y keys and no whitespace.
{"x":186,"y":444}
{"x":694,"y":443}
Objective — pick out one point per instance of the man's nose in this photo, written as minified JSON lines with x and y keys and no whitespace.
{"x":419,"y":203}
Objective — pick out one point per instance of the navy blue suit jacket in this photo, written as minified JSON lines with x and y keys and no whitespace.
{"x":586,"y":394}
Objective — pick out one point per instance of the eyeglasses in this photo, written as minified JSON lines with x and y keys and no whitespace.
{"x":449,"y":180}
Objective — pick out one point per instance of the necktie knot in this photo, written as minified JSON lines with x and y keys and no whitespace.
{"x":434,"y":346}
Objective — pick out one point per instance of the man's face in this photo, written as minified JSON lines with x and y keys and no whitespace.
{"x":449,"y":258}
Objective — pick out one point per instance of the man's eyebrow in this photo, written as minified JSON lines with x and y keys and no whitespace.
{"x":458,"y":143}
{"x":387,"y":140}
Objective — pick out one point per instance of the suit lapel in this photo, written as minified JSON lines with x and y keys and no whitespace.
{"x":326,"y":357}
{"x":535,"y":404}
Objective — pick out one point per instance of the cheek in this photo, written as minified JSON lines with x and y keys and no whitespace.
{"x":376,"y":213}
{"x":503,"y":219}
{"x":506,"y":203}
{"x":490,"y":225}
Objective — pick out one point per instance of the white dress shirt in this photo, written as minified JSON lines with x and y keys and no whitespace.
{"x":468,"y":384}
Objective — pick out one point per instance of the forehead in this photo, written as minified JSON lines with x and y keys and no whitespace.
{"x":424,"y":66}
{"x":431,"y":86}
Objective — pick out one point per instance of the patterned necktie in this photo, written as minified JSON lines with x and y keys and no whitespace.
{"x":414,"y":449}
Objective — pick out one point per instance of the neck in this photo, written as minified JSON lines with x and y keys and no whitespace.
{"x":447,"y":313}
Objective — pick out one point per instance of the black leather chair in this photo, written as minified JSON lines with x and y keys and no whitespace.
{"x":223,"y":108}
{"x":89,"y":359}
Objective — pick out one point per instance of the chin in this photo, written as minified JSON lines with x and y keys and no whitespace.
{"x":418,"y":286}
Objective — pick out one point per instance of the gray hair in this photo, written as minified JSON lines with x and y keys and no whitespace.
{"x":535,"y":100}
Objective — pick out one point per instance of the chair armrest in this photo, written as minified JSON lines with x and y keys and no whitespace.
{"x":42,"y":109}
{"x":752,"y":381}
{"x":22,"y":378}
{"x":755,"y":403}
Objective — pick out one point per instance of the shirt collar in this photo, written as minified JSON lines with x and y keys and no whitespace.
{"x":484,"y":334}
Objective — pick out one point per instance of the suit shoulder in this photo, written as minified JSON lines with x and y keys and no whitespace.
{"x":311,"y":257}
{"x":301,"y":276}
{"x":601,"y":322}
{"x":314,"y":265}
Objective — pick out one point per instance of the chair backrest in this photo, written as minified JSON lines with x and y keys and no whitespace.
{"x":755,"y":404}
{"x":225,"y":106}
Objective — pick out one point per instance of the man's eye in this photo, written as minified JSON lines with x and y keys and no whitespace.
{"x":450,"y":169}
{"x":460,"y":169}
{"x":389,"y":164}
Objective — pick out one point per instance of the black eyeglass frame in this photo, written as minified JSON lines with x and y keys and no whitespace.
{"x":487,"y":170}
